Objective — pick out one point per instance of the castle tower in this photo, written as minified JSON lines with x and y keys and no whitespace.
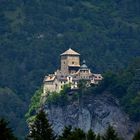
{"x":70,"y":62}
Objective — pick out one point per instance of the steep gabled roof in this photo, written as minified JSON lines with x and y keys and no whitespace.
{"x":70,"y":52}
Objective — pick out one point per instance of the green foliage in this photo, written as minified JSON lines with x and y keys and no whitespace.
{"x":6,"y":132}
{"x":91,"y":135}
{"x":12,"y":108}
{"x":33,"y":34}
{"x":125,"y":86}
{"x":110,"y":134}
{"x":40,"y":129}
{"x":34,"y":106}
{"x":137,"y":136}
{"x":98,"y":137}
{"x":82,"y":84}
{"x":53,"y":97}
{"x":77,"y":134}
{"x":131,"y":100}
{"x":59,"y":98}
{"x":66,"y":133}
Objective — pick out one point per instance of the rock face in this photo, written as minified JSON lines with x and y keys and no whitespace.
{"x":91,"y":112}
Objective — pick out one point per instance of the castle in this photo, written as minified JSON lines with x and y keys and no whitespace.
{"x":71,"y":72}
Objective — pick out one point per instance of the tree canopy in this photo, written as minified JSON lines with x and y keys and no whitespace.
{"x":40,"y":129}
{"x":6,"y":132}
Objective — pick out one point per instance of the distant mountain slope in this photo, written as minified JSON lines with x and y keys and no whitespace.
{"x":33,"y":33}
{"x":12,"y":108}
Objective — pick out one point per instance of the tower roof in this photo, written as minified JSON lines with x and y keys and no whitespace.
{"x":84,"y":66}
{"x":70,"y":52}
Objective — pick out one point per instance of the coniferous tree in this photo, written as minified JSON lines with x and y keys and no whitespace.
{"x":110,"y":134}
{"x":66,"y":133}
{"x":91,"y":135}
{"x":98,"y":137}
{"x":41,"y":129}
{"x":6,"y":133}
{"x":137,"y":135}
{"x":77,"y":134}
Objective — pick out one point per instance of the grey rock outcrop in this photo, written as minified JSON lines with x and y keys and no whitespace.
{"x":91,"y":112}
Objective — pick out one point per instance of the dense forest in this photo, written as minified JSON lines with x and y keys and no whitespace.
{"x":33,"y":34}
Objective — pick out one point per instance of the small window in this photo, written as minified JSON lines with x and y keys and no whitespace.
{"x":72,"y":62}
{"x":64,"y":62}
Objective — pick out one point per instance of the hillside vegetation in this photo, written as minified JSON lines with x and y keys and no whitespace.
{"x":33,"y":33}
{"x":124,"y":86}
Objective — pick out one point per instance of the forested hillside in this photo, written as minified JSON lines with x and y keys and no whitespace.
{"x":34,"y":32}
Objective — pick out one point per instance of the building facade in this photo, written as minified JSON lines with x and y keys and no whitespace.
{"x":71,"y":72}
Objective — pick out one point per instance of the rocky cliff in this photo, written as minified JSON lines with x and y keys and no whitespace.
{"x":95,"y":112}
